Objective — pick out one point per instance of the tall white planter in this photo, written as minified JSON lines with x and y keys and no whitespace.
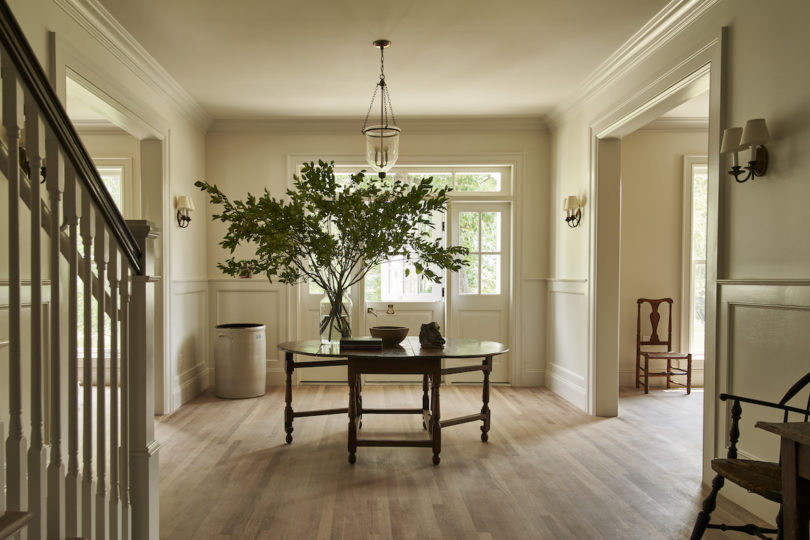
{"x":240,"y":370}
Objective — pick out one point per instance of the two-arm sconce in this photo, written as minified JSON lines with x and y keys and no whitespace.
{"x":573,"y":214}
{"x":184,"y":205}
{"x":754,"y":136}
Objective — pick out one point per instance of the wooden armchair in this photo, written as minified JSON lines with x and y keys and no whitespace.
{"x":761,"y":477}
{"x":644,"y":354}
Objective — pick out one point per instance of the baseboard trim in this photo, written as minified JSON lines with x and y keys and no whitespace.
{"x":566,"y":388}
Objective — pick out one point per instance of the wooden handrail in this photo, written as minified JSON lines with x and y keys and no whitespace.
{"x":54,"y":115}
{"x":12,"y":522}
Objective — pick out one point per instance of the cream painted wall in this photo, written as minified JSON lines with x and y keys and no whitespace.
{"x":652,"y":230}
{"x":180,"y":134}
{"x":764,"y":233}
{"x":244,"y":158}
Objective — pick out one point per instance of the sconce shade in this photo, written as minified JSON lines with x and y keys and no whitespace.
{"x":382,"y":147}
{"x":570,"y":203}
{"x":184,"y":202}
{"x":731,"y":140}
{"x":755,"y":132}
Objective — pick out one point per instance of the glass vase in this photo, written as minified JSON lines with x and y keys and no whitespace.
{"x":335,"y":318}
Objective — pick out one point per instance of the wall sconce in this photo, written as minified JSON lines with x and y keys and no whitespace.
{"x":184,"y":205}
{"x":572,"y":210}
{"x":755,"y":135}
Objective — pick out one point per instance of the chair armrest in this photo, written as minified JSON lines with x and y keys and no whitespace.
{"x":742,"y":399}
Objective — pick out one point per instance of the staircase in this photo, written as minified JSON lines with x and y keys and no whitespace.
{"x":78,"y":460}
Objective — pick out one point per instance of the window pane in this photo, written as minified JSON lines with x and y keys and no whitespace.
{"x":700,"y":199}
{"x":314,"y":288}
{"x":440,"y":180}
{"x":699,"y":314}
{"x":491,"y":231}
{"x":468,"y":230}
{"x":478,"y":181}
{"x":468,"y":276}
{"x":373,"y":285}
{"x":490,"y":274}
{"x":112,"y":177}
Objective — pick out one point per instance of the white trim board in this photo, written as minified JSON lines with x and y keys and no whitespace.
{"x":352,"y":126}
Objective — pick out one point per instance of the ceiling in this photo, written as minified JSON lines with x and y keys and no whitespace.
{"x":260,"y":59}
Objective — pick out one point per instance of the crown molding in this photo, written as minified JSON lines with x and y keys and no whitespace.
{"x":101,"y":25}
{"x":344,"y":126}
{"x":665,"y":25}
{"x":664,"y":123}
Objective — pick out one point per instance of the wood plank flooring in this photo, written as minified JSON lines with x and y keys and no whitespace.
{"x":548,"y":470}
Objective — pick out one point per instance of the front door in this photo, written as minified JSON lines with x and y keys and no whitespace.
{"x":479,"y":293}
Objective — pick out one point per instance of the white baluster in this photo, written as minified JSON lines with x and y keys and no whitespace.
{"x":37,"y":454}
{"x":56,"y":468}
{"x":16,"y":480}
{"x":88,"y":486}
{"x":126,"y":528}
{"x":115,"y":509}
{"x":102,"y":509}
{"x":73,"y":479}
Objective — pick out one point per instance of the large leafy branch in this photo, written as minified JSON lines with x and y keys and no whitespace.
{"x":332,"y":233}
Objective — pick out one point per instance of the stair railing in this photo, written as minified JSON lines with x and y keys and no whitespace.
{"x":80,"y":458}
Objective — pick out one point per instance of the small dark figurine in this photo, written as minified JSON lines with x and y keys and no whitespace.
{"x":430,"y":337}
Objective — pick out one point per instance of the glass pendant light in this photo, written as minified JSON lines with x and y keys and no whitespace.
{"x":382,"y":139}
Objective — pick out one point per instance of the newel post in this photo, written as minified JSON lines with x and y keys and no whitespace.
{"x":143,"y":449}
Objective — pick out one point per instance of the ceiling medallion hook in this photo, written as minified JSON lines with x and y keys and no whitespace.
{"x":382,"y":139}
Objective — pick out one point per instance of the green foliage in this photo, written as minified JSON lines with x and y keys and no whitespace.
{"x":332,"y":232}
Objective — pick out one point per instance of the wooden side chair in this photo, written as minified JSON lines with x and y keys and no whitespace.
{"x":761,"y":477}
{"x":644,"y":354}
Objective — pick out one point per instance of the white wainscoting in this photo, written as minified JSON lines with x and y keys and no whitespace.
{"x":567,"y":366}
{"x":190,"y":351}
{"x":532,"y":361}
{"x":252,"y":301}
{"x":763,"y":348}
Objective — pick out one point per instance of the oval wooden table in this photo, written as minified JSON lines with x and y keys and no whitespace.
{"x":407,"y":358}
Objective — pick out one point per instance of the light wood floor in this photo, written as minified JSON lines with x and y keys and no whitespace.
{"x":548,"y":470}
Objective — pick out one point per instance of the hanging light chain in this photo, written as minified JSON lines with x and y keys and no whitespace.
{"x":385,"y":97}
{"x":370,"y":105}
{"x":382,"y":63}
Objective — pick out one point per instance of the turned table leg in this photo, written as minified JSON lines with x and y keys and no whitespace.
{"x":352,"y":412}
{"x":485,"y":398}
{"x":436,"y":416}
{"x":425,"y":398}
{"x":289,"y":366}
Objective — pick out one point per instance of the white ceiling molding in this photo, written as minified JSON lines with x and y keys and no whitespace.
{"x":670,"y":21}
{"x":98,"y":22}
{"x":664,"y":123}
{"x":409,"y":125}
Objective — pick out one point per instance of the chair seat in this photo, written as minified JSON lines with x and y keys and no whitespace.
{"x":761,"y":477}
{"x":665,"y":354}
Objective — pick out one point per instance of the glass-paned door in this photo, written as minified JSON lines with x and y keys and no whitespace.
{"x":479,"y":292}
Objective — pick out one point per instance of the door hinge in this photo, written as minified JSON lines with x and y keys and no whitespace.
{"x":443,"y":224}
{"x":442,"y":292}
